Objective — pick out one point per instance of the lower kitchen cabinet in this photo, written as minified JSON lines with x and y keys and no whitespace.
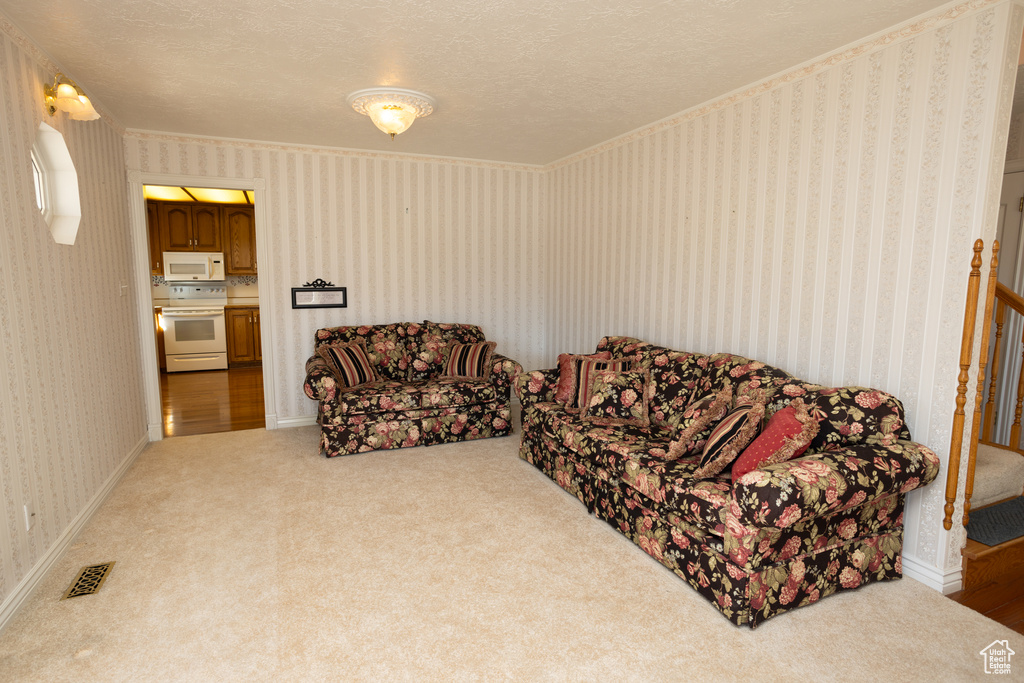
{"x":243,"y":335}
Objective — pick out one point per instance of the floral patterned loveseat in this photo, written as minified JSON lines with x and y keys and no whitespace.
{"x":781,"y":536}
{"x":412,"y":404}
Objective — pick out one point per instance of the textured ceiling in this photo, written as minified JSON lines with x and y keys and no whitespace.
{"x":523,"y":81}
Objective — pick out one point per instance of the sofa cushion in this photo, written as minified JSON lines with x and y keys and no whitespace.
{"x":730,"y":436}
{"x":747,"y":376}
{"x":553,"y":419}
{"x":581,"y":380}
{"x":433,"y":342}
{"x":565,"y":373}
{"x":854,"y":415}
{"x":385,"y":345}
{"x":380,"y":397}
{"x":469,"y":361}
{"x":787,"y":435}
{"x":703,"y":503}
{"x":637,"y":459}
{"x":349,"y":363}
{"x":697,"y":422}
{"x":619,"y":398}
{"x":674,"y":375}
{"x":445,"y":391}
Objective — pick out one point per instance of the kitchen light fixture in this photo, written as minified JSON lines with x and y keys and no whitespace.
{"x":65,"y":95}
{"x":392,"y":110}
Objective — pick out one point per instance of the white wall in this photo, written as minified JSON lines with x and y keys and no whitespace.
{"x":71,"y":404}
{"x":821,"y":221}
{"x":412,"y":238}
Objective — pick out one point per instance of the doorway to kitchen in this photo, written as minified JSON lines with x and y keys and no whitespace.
{"x":206,"y":315}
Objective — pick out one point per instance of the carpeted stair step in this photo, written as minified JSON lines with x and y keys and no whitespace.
{"x":998,"y":475}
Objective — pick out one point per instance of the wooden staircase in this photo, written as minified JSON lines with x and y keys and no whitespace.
{"x":993,"y":576}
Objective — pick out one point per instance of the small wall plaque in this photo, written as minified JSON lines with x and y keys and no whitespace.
{"x":319,"y":297}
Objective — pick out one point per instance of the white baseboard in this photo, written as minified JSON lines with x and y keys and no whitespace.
{"x":946,"y":582}
{"x":156,"y":431}
{"x":14,"y":601}
{"x":304,"y":421}
{"x":271,"y":421}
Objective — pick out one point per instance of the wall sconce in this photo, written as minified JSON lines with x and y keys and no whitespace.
{"x":392,"y":110}
{"x":65,"y":95}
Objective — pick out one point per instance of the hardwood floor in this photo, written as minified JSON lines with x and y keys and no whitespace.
{"x":999,"y":577}
{"x":212,"y":401}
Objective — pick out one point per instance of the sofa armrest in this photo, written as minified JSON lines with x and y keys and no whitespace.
{"x":816,"y":485}
{"x":320,"y":384}
{"x":503,"y":373}
{"x":536,"y":387}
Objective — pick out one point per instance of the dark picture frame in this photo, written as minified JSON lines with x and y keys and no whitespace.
{"x":319,"y":297}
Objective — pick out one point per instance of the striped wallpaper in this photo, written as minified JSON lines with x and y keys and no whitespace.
{"x":71,"y":401}
{"x":411,"y":238}
{"x":822,"y":223}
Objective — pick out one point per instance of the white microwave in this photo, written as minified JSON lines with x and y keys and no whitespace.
{"x":189,"y":266}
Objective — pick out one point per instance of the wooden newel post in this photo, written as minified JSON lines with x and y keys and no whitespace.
{"x":972,"y":452}
{"x":966,"y":348}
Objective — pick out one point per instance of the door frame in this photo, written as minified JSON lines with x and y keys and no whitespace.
{"x":143,"y":285}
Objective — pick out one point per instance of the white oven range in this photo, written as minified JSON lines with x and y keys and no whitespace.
{"x":194,"y":330}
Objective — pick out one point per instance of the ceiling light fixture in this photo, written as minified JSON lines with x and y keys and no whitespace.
{"x":65,"y":95}
{"x":392,"y":110}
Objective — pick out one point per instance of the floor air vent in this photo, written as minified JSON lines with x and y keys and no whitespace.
{"x":88,"y":580}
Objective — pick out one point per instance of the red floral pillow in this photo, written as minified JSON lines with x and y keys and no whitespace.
{"x":788,"y":434}
{"x":564,"y":388}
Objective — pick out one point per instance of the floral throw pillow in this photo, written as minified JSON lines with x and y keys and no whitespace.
{"x":730,"y":436}
{"x":619,"y":398}
{"x":583,"y":370}
{"x":565,"y":378}
{"x":698,"y":420}
{"x":787,"y":435}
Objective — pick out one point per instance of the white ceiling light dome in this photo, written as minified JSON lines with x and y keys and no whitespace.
{"x":392,"y":110}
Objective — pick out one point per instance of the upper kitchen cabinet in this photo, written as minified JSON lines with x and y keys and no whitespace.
{"x":239,"y":240}
{"x":206,"y":228}
{"x":189,"y":227}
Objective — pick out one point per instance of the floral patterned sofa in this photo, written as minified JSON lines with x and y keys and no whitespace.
{"x":780,"y":537}
{"x":412,"y":404}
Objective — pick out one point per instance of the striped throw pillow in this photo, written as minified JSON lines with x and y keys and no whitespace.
{"x":469,"y":361}
{"x":350,"y":364}
{"x":581,"y":379}
{"x":728,"y":438}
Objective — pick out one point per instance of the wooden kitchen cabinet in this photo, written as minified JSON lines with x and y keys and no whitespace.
{"x":257,"y":340}
{"x":243,"y":335}
{"x":206,"y":228}
{"x":189,"y":227}
{"x":156,"y":254}
{"x":239,"y":240}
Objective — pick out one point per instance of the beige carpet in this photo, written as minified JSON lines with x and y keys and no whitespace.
{"x":245,"y":556}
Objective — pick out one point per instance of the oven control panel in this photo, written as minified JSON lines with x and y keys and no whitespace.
{"x":184,"y":294}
